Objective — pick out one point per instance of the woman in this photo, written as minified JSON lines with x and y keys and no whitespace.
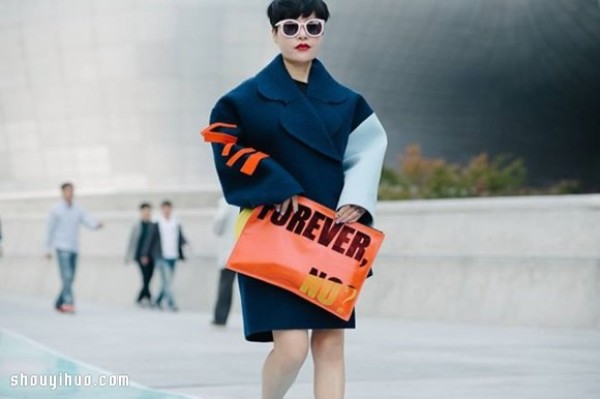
{"x":293,"y":130}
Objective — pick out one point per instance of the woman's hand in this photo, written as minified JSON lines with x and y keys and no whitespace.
{"x":349,"y":213}
{"x":283,"y":207}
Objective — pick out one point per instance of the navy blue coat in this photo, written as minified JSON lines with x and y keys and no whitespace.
{"x":272,"y":141}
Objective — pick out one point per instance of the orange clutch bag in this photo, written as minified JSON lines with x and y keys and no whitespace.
{"x":308,"y":254}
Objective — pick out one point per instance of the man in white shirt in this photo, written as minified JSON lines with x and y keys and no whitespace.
{"x":63,"y":237}
{"x":223,"y":227}
{"x":165,"y":244}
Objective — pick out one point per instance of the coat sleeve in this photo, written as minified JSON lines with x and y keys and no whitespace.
{"x":249,"y":177}
{"x":89,"y":222}
{"x":181,"y":242}
{"x":363,"y":160}
{"x":134,"y":236}
{"x":51,"y":229}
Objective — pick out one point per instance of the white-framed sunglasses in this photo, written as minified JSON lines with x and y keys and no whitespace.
{"x":291,"y":27}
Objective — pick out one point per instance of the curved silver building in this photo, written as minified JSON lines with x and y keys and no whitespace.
{"x":462,"y":77}
{"x":112,"y":93}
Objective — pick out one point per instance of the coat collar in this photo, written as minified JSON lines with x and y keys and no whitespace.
{"x":275,"y":83}
{"x":309,"y":118}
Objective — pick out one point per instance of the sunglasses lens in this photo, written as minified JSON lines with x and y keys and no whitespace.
{"x":290,"y":28}
{"x":314,"y":28}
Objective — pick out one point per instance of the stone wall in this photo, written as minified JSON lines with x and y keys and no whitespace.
{"x":511,"y":261}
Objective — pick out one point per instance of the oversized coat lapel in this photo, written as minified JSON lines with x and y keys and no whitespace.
{"x":309,"y":118}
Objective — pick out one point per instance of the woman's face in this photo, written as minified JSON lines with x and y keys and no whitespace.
{"x":303,"y":47}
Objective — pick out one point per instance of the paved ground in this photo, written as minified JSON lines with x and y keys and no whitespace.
{"x":182,"y":354}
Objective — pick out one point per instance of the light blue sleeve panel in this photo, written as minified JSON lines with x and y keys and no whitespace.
{"x":363,"y":161}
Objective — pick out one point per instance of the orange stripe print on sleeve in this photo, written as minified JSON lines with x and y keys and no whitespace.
{"x":227,"y":149}
{"x":212,"y":136}
{"x":252,"y":163}
{"x":239,"y":154}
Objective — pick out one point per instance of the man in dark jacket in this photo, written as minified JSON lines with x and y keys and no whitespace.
{"x":165,"y":244}
{"x":139,"y":233}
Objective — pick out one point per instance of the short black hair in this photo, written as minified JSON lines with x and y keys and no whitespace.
{"x":279,"y":10}
{"x":166,"y":203}
{"x":66,"y":185}
{"x":145,"y":205}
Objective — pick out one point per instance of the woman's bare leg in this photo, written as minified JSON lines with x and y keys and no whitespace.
{"x":290,"y":348}
{"x":327,"y":348}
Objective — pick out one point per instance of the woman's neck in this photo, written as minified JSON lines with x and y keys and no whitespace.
{"x":298,"y":71}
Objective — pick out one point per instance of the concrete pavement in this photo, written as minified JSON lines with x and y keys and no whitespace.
{"x":386,"y":358}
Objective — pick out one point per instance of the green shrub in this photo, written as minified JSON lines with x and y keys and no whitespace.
{"x":420,"y":177}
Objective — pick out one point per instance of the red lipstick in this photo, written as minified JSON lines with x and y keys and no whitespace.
{"x":302,"y":47}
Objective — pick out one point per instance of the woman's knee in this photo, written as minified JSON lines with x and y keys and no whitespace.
{"x":292,"y":345}
{"x":327,"y":345}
